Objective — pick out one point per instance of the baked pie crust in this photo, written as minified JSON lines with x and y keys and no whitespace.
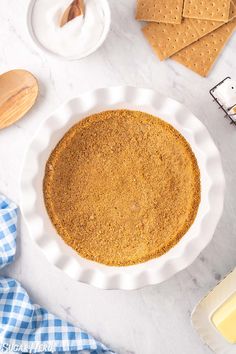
{"x":122,"y":187}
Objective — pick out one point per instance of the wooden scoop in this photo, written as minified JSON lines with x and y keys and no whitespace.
{"x":75,"y":9}
{"x":18,"y":92}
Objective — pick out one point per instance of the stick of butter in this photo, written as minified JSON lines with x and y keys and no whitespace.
{"x":224,"y":319}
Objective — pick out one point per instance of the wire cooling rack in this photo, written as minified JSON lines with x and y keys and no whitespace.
{"x":226,"y":111}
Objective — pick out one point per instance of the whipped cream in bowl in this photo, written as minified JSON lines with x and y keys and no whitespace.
{"x":77,"y":38}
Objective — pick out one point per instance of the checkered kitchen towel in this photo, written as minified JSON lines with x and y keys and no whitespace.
{"x":24,"y":326}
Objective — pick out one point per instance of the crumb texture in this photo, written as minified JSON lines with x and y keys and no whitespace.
{"x":122,"y":187}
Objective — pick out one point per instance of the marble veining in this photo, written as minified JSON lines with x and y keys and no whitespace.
{"x":154,"y":320}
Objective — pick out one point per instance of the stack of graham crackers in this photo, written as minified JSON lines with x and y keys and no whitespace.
{"x":192,"y":32}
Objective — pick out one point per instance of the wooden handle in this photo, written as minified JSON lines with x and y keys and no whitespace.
{"x":18,"y":93}
{"x":75,"y":9}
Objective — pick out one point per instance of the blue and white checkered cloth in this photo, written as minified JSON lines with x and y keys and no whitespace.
{"x":24,"y":326}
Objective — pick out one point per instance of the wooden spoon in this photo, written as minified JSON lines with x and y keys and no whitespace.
{"x":18,"y":92}
{"x":75,"y":9}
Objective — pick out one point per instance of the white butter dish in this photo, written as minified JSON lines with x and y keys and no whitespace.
{"x":202,"y":315}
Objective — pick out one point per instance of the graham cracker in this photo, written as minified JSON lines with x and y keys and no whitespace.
{"x":217,"y":10}
{"x":232,"y":10}
{"x":201,"y":55}
{"x":167,"y":39}
{"x":204,"y":27}
{"x":167,"y":11}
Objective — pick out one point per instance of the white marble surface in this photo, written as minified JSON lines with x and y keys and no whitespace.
{"x":154,"y":320}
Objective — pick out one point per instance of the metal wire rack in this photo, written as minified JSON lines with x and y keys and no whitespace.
{"x":227,"y":115}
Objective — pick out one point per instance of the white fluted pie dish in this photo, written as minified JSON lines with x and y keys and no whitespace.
{"x":150,"y":272}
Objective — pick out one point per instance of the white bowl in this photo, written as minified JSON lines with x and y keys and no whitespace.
{"x":107,"y":24}
{"x":155,"y":270}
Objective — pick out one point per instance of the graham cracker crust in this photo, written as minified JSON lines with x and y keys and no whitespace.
{"x":122,"y":187}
